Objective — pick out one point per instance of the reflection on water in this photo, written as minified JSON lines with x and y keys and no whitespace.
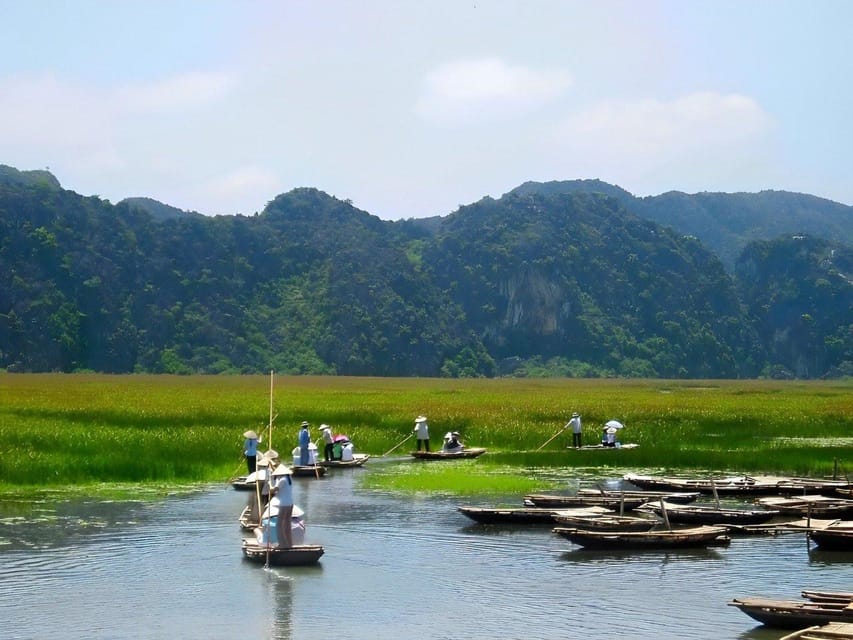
{"x":410,"y":567}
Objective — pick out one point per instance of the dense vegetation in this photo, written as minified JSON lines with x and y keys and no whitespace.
{"x":59,"y":430}
{"x":547,"y":280}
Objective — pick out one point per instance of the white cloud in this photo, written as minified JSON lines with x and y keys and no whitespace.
{"x":249,"y":183}
{"x":186,"y":91}
{"x":699,"y":122}
{"x":488,"y":88}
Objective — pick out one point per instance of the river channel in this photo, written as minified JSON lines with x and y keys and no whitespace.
{"x":395,"y":568}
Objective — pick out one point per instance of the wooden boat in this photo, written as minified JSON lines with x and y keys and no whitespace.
{"x":793,"y":614}
{"x":243,"y":483}
{"x":833,"y":538}
{"x":605,"y":522}
{"x":555,"y":501}
{"x":358,"y":459}
{"x":736,"y":485}
{"x":827,"y":596}
{"x":665,"y":539}
{"x":694,"y":514}
{"x":677,"y":497}
{"x":308,"y":471}
{"x":467,"y":452}
{"x":604,"y":447}
{"x":810,"y":506}
{"x":297,"y":555}
{"x":831,"y":631}
{"x":529,"y":515}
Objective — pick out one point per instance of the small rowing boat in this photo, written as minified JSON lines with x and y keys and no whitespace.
{"x":677,"y":497}
{"x":693,"y":514}
{"x":793,"y":614}
{"x":605,"y":522}
{"x":810,"y":506}
{"x":736,"y":485}
{"x":555,"y":501}
{"x":528,"y":515}
{"x":358,"y":459}
{"x":297,"y":555}
{"x":449,"y":455}
{"x":831,"y":631}
{"x":664,"y":539}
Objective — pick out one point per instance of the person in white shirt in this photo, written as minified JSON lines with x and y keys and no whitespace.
{"x":422,"y":431}
{"x":575,"y":424}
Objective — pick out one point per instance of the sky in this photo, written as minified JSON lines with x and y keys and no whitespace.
{"x":411,"y":108}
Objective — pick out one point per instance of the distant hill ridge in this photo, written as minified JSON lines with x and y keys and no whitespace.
{"x":565,"y":278}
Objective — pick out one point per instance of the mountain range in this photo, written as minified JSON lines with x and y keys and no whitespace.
{"x":574,"y":278}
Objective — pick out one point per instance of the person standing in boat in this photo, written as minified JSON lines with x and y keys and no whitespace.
{"x":250,"y":450}
{"x":283,"y":500}
{"x":329,"y":441}
{"x":422,"y":431}
{"x":304,"y":442}
{"x":577,"y":434}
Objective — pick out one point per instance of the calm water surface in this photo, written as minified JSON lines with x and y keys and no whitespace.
{"x":394,"y":568}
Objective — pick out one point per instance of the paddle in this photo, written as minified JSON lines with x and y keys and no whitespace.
{"x":399,"y":444}
{"x":552,"y":437}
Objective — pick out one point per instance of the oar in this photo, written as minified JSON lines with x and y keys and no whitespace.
{"x":399,"y":444}
{"x":552,"y":437}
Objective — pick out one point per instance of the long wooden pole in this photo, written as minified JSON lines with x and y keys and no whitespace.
{"x":271,"y":418}
{"x":551,"y":438}
{"x":398,"y":444}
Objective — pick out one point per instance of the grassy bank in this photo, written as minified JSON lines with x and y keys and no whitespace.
{"x":88,"y":429}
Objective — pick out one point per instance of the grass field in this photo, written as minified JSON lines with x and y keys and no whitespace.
{"x":87,"y":430}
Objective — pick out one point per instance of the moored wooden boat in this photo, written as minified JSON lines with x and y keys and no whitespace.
{"x":467,"y":452}
{"x":793,"y":614}
{"x":308,"y":471}
{"x":297,"y":555}
{"x":814,"y":506}
{"x":358,"y":459}
{"x":827,"y":596}
{"x":605,"y":522}
{"x":831,"y":631}
{"x":694,"y":514}
{"x":526,"y":515}
{"x":736,"y":485}
{"x":833,"y":538}
{"x":557,"y":501}
{"x":664,"y":539}
{"x":677,"y":497}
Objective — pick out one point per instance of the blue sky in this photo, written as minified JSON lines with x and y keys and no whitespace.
{"x":411,"y":108}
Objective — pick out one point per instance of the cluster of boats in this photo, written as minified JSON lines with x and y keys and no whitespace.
{"x":664,"y":512}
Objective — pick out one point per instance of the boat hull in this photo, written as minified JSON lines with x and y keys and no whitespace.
{"x":785,"y":614}
{"x":679,"y":538}
{"x":444,"y":455}
{"x":295,"y":556}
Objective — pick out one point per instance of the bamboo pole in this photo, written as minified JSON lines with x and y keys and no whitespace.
{"x":551,"y":438}
{"x":398,"y":444}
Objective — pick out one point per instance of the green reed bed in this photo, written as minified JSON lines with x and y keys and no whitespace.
{"x":87,"y":429}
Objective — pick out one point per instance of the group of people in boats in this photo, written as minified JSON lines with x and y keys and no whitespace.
{"x":335,"y":447}
{"x":452,"y":439}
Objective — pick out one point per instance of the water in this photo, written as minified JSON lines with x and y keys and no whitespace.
{"x":394,"y":568}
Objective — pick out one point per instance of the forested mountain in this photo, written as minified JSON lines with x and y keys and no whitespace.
{"x":542,"y":281}
{"x":799,"y":292}
{"x":577,"y":277}
{"x":725,"y":222}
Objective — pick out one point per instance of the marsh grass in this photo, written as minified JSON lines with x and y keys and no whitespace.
{"x":83,"y":430}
